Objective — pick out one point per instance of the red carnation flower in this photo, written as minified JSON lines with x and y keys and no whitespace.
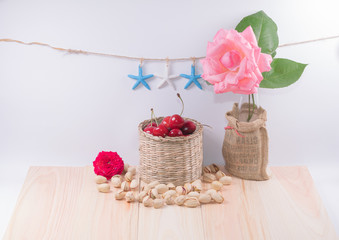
{"x":108,"y":164}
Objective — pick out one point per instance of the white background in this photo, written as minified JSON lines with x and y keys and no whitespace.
{"x":62,"y":109}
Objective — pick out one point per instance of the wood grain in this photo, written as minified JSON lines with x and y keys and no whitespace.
{"x":285,"y":207}
{"x":170,"y":222}
{"x":63,"y":203}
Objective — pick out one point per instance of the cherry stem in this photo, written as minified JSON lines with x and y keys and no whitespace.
{"x":182,"y":102}
{"x":155,"y":118}
{"x":151,"y":116}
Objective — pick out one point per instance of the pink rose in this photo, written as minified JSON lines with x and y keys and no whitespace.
{"x":234,"y":62}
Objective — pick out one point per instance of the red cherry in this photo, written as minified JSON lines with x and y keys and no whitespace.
{"x":176,"y":121}
{"x":149,"y":129}
{"x":160,"y":131}
{"x":175,"y":133}
{"x":188,"y":128}
{"x":152,"y":124}
{"x":166,"y":121}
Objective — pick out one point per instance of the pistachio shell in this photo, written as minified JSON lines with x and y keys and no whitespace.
{"x":209,"y":177}
{"x":216,"y":185}
{"x":193,"y":194}
{"x":210,"y":191}
{"x":132,"y":170}
{"x":180,"y":190}
{"x":170,"y":199}
{"x":191,"y":202}
{"x":158,"y":203}
{"x":116,"y":182}
{"x":146,"y":188}
{"x":226,"y":180}
{"x":180,"y":200}
{"x":153,"y":193}
{"x":188,"y":187}
{"x":220,"y":174}
{"x":171,"y":186}
{"x":206,"y":169}
{"x":153,"y":184}
{"x":161,"y":188}
{"x":141,"y":196}
{"x":147,"y":201}
{"x":104,"y":187}
{"x":128,"y":176}
{"x":197,"y":182}
{"x":126,"y":166}
{"x":125,"y":186}
{"x":217,"y":197}
{"x":130,"y":197}
{"x":119,"y":195}
{"x":214,"y":168}
{"x":205,"y":198}
{"x":100,"y":179}
{"x":134,"y":184}
{"x":169,"y":193}
{"x":197,"y":186}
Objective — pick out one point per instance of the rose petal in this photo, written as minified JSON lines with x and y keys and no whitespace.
{"x":264,"y":62}
{"x":249,"y":35}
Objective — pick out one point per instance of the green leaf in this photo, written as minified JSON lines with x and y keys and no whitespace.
{"x":264,"y":29}
{"x":284,"y":72}
{"x":208,"y":83}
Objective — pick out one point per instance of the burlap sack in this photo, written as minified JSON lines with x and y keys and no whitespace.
{"x":246,"y":156}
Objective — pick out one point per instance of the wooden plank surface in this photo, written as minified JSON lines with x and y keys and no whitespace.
{"x":63,"y":203}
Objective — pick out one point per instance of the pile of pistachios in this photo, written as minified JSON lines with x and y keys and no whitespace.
{"x":156,"y":194}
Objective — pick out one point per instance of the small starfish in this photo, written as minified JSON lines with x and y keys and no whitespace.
{"x":166,"y":78}
{"x":141,"y":79}
{"x":192,"y":78}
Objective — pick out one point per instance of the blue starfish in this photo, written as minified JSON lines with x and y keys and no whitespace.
{"x":192,"y":78}
{"x":141,"y":79}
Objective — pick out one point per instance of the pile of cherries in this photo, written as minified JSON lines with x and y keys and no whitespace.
{"x":172,"y":126}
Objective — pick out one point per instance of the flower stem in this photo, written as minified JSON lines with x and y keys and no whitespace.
{"x":250,"y":114}
{"x":249,"y":108}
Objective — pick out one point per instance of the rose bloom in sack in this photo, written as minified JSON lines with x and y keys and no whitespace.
{"x":234,"y":62}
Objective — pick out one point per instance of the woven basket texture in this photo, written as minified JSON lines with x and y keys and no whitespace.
{"x":171,"y":159}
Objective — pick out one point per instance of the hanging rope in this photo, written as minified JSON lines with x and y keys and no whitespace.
{"x":141,"y":59}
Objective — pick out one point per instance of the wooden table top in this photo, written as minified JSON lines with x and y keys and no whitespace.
{"x":63,"y":203}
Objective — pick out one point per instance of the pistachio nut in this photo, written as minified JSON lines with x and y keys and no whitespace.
{"x":158,"y":203}
{"x":216,"y":185}
{"x":130,"y":197}
{"x":226,"y":180}
{"x":119,"y":195}
{"x":116,"y":182}
{"x":191,"y":202}
{"x":100,"y":179}
{"x":161,"y":188}
{"x":132,"y":170}
{"x":217,"y":197}
{"x":220,"y":174}
{"x":214,"y":168}
{"x":103,"y":187}
{"x":171,"y":186}
{"x":205,"y":198}
{"x":208,"y":177}
{"x":147,"y":201}
{"x":134,"y":184}
{"x":125,"y":186}
{"x":180,"y":200}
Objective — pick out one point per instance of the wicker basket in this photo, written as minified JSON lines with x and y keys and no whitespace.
{"x":171,"y":159}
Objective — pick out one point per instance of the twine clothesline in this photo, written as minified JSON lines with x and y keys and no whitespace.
{"x":141,"y":59}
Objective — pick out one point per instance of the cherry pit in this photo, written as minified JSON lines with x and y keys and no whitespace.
{"x":171,"y":126}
